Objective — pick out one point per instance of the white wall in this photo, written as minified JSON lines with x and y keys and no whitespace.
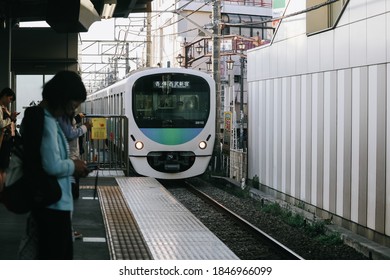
{"x":321,"y":133}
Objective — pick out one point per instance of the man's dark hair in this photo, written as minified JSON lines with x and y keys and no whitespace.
{"x":8,"y":92}
{"x":62,"y":88}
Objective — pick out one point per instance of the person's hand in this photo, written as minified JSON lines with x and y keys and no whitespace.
{"x":79,"y":117}
{"x":80,"y":168}
{"x":14,"y":115}
{"x":88,"y":125}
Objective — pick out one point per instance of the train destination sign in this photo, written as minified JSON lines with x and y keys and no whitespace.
{"x":171,"y":84}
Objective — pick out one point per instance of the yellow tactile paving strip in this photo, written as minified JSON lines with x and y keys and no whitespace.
{"x":124,"y":239}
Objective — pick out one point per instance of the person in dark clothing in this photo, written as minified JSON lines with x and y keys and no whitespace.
{"x":51,"y":226}
{"x":7,"y":130}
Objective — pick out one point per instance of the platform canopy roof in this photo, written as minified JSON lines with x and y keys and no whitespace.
{"x":67,"y":15}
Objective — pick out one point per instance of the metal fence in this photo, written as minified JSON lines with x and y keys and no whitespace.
{"x":238,"y":166}
{"x":106,"y":144}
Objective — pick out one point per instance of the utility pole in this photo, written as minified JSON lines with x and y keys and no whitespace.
{"x":127,"y":71}
{"x":148,"y":35}
{"x":241,"y":142}
{"x":216,"y":17}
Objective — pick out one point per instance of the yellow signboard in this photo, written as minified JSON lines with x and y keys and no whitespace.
{"x":99,"y":129}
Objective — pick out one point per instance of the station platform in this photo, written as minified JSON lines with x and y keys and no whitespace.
{"x":87,"y":219}
{"x":170,"y":231}
{"x":135,"y":218}
{"x":127,"y":218}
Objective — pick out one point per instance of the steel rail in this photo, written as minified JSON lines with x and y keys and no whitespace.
{"x":286,"y":252}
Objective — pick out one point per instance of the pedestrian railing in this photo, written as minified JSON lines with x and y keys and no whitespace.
{"x":106,"y":144}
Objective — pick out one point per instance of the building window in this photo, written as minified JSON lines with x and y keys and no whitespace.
{"x":325,"y":17}
{"x":247,"y":25}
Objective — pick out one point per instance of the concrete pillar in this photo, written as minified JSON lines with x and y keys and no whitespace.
{"x":5,"y":54}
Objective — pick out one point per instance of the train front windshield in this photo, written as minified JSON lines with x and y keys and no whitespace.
{"x":171,"y":100}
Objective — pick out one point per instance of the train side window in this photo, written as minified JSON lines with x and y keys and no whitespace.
{"x":122,"y":112}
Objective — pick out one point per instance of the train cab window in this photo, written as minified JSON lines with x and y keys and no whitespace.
{"x":175,"y":100}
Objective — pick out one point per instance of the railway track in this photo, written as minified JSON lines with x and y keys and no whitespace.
{"x":243,"y":238}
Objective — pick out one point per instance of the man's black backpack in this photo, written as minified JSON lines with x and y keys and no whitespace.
{"x":27,"y":184}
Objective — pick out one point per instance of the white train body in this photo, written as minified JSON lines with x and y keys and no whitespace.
{"x":171,"y":117}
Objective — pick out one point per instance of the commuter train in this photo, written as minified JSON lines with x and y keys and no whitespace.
{"x":171,"y":119}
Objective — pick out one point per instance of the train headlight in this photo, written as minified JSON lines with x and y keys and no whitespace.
{"x":203,"y":145}
{"x":139,"y":145}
